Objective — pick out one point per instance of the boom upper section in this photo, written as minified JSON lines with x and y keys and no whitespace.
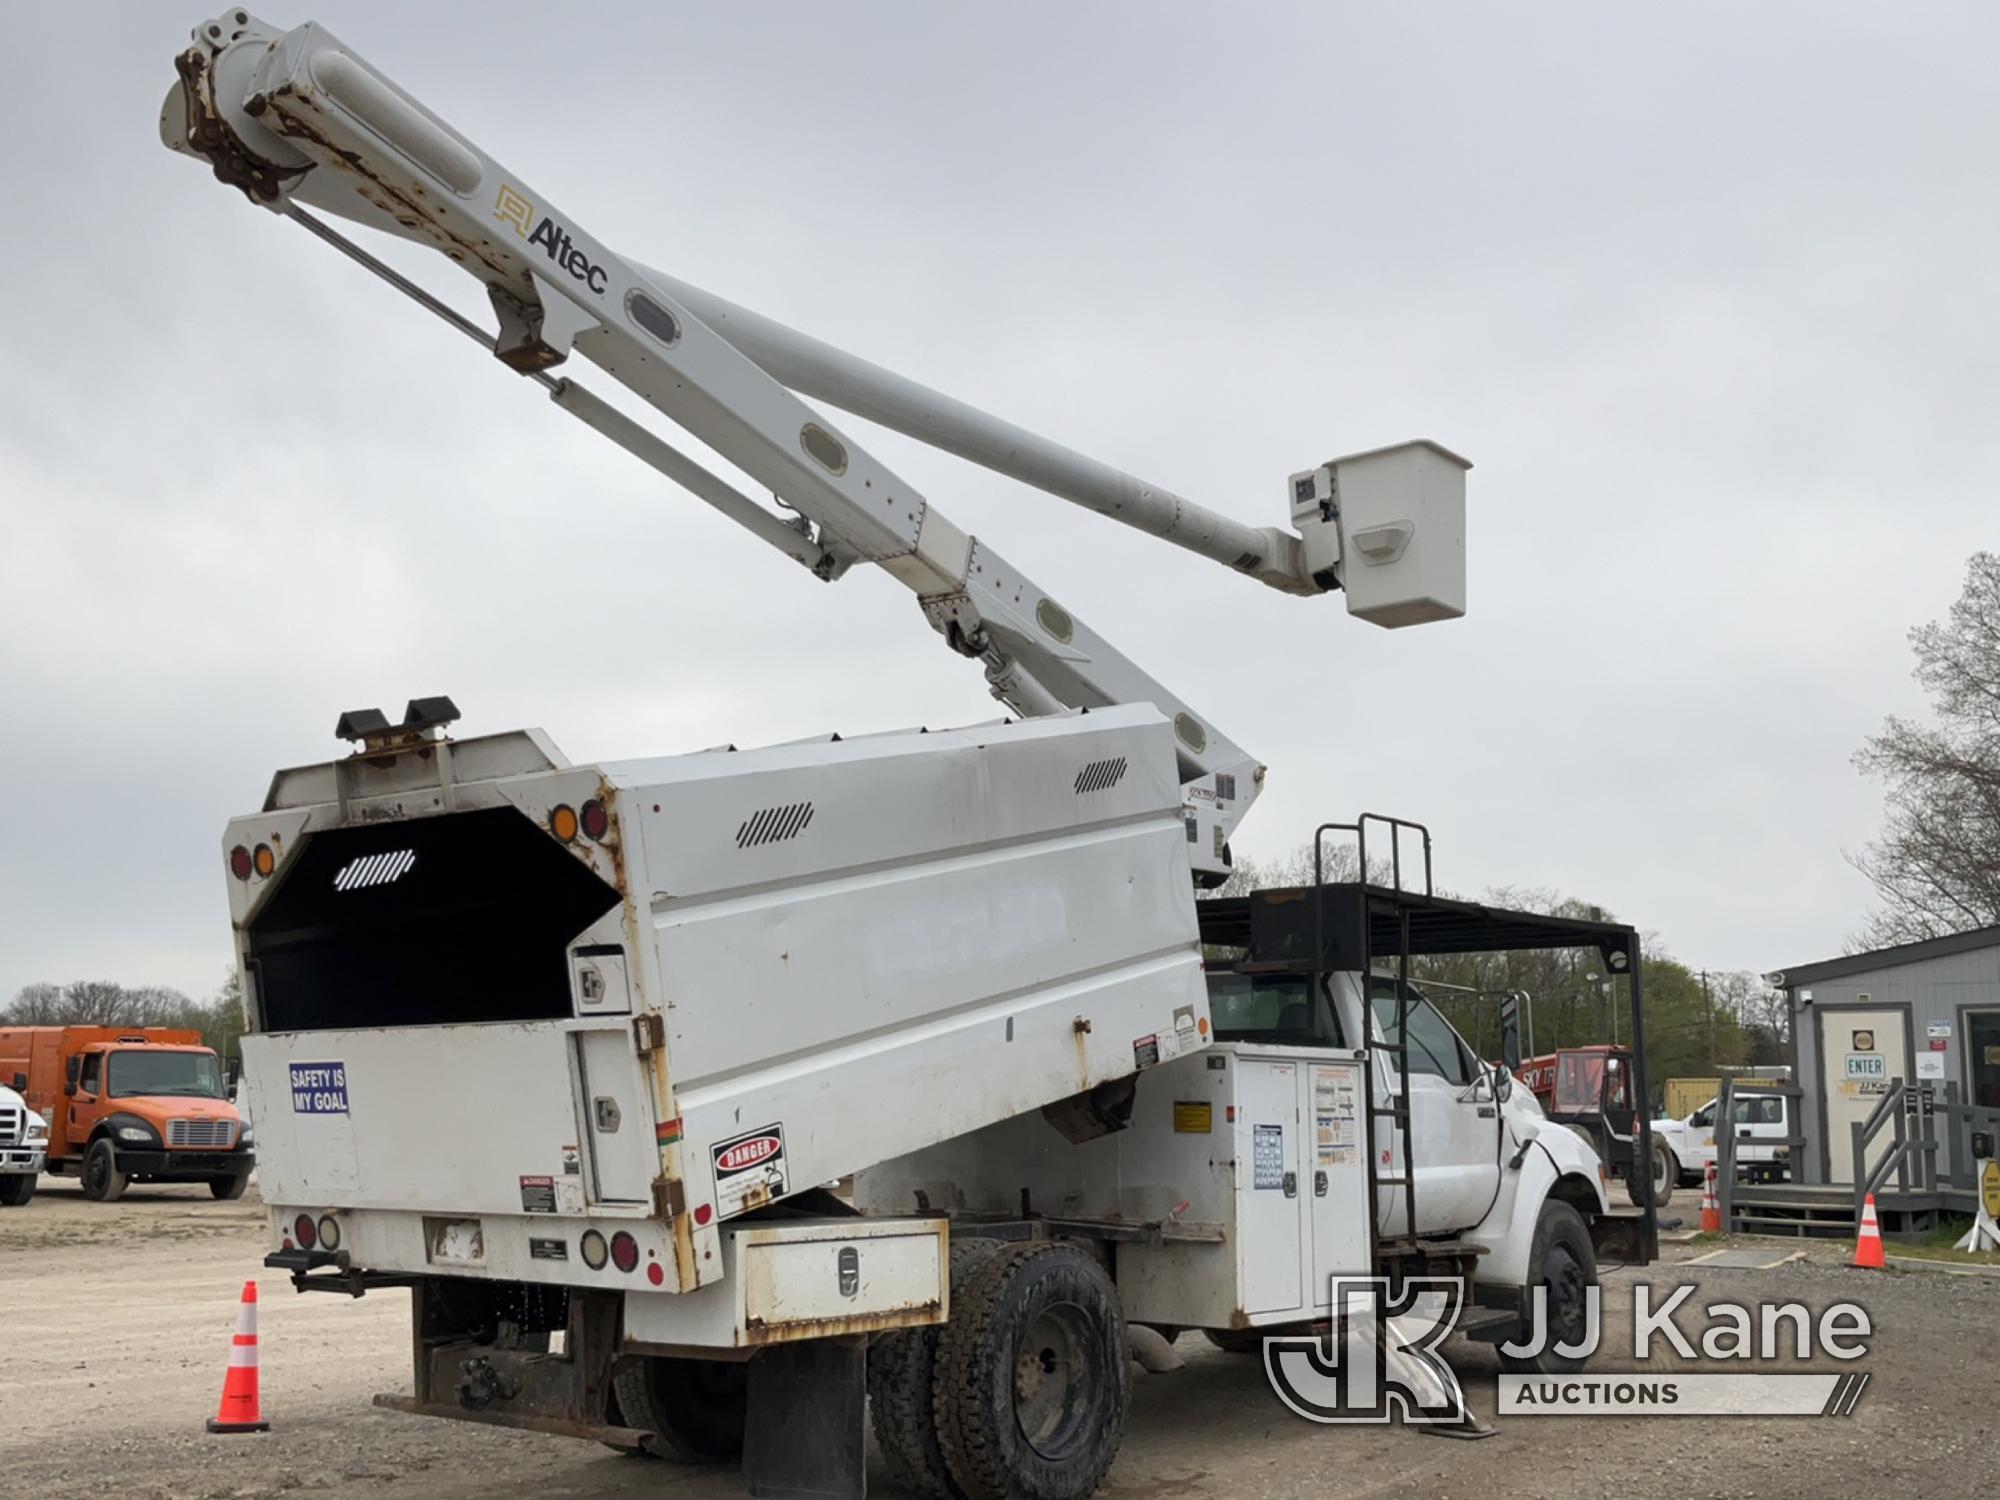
{"x":296,"y":118}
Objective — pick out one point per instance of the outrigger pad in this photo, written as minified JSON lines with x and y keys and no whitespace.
{"x":805,"y":1437}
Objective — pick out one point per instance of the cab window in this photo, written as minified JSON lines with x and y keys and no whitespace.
{"x":1270,"y":1008}
{"x":1434,"y":1047}
{"x":1704,"y":1117}
{"x":86,"y":1082}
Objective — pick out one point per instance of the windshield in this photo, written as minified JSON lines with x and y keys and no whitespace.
{"x":1269,"y":1008}
{"x":192,"y":1074}
{"x":1581,"y":1082}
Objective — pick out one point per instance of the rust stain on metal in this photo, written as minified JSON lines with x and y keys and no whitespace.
{"x":292,"y":108}
{"x":910,"y":1315}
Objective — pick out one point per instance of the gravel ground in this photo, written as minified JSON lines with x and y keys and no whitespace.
{"x":116,"y":1321}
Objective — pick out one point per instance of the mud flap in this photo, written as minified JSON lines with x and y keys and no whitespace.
{"x":1625,"y":1239}
{"x":808,"y":1409}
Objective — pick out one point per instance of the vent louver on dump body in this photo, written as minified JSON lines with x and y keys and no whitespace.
{"x":374,"y":869}
{"x":773,"y":825}
{"x":1100,"y":774}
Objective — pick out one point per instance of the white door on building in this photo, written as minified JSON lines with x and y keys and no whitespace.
{"x":1861,"y":1053}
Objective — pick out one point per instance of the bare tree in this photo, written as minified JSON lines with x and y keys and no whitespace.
{"x":1936,"y":866}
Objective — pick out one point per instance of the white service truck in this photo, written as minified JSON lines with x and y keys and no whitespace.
{"x":1762,"y":1125}
{"x":24,"y":1146}
{"x":574,"y":1051}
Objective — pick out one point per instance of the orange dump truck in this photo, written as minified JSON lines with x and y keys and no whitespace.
{"x":129,"y":1105}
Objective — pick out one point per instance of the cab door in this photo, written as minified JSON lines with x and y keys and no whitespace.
{"x":1454,"y":1124}
{"x":86,"y":1102}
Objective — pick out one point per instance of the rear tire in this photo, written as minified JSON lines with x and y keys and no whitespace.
{"x":1563,"y":1261}
{"x":695,"y":1408}
{"x":902,"y":1367}
{"x":15,"y":1191}
{"x":1034,"y":1383}
{"x":102,"y":1181}
{"x":229,"y":1189}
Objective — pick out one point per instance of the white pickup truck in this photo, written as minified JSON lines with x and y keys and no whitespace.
{"x":1763,"y":1157}
{"x":24,"y":1144}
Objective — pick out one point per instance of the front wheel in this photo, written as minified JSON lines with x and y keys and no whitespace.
{"x":228,"y":1188}
{"x":102,"y":1181}
{"x":1564,"y":1265}
{"x":1033,"y":1379}
{"x":14,"y":1191}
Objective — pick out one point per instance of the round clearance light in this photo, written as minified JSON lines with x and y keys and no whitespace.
{"x":562,"y":821}
{"x":239,"y":863}
{"x":594,"y":1250}
{"x":655,"y":1274}
{"x":329,"y":1232}
{"x":596,"y":821}
{"x":263,"y":860}
{"x":305,"y":1232}
{"x":703,"y":1213}
{"x":624,"y":1251}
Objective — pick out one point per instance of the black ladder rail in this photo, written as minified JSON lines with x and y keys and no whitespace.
{"x":1397,"y":1112}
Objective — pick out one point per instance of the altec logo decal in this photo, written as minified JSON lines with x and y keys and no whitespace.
{"x":511,"y":208}
{"x":746,"y":1154}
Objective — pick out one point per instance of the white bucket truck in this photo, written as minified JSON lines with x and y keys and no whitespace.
{"x":575,"y":1052}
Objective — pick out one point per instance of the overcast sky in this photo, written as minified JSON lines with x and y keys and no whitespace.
{"x":1707,"y":293}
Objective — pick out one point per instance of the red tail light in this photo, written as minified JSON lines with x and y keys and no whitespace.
{"x":624,"y":1251}
{"x":596,"y":821}
{"x":305,"y":1232}
{"x":239,"y":863}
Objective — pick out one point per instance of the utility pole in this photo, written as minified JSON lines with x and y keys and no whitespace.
{"x":1708,"y":1008}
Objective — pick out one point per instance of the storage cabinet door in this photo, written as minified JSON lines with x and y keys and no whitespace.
{"x":1335,"y":1179}
{"x":613,"y":1117}
{"x":1270,"y":1206}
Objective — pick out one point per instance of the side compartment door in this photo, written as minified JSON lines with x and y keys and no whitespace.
{"x":613,"y":1121}
{"x":1269,"y":1209}
{"x":1336,"y":1102}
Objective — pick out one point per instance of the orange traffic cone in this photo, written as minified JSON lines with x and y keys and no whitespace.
{"x":1711,"y":1211}
{"x":1868,"y":1244}
{"x":238,"y":1411}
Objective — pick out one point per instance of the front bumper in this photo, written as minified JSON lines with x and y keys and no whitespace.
{"x":18,"y":1161}
{"x":193,"y":1166}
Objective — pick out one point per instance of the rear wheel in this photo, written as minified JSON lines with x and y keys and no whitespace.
{"x":228,"y":1188}
{"x":1666,"y":1174}
{"x":902,"y":1366}
{"x":102,"y":1181}
{"x":14,"y":1191}
{"x":1033,"y":1380}
{"x":694,"y":1408}
{"x":1563,"y":1263}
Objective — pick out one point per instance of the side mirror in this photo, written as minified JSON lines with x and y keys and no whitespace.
{"x":1503,"y":1083}
{"x":69,"y":1080}
{"x":20,"y":1082}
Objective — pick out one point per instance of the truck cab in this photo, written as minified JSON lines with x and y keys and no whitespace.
{"x":24,"y":1139}
{"x":124,"y":1106}
{"x":1761,"y":1121}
